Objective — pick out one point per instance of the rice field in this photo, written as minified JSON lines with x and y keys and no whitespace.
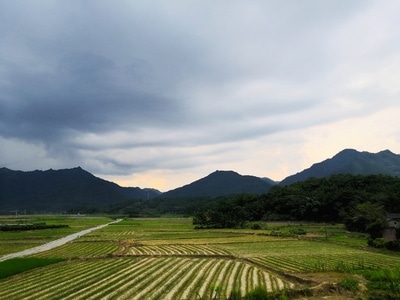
{"x":7,"y":247}
{"x":168,"y":259}
{"x":301,"y":256}
{"x":140,"y":278}
{"x":81,"y":249}
{"x":14,"y":241}
{"x":326,"y":263}
{"x":172,"y":250}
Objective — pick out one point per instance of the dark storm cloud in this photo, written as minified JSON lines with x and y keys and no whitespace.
{"x":150,"y":53}
{"x":135,"y":85}
{"x":86,"y":67}
{"x":81,"y":93}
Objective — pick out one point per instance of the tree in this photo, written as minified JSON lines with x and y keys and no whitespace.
{"x":367,"y":217}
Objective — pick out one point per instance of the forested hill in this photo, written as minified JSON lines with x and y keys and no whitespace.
{"x":332,"y":199}
{"x":60,"y":190}
{"x":350,"y":161}
{"x":220,"y":183}
{"x":77,"y":190}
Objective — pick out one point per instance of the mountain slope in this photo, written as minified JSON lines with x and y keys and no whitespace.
{"x":220,"y":183}
{"x":58,"y":190}
{"x":350,"y":161}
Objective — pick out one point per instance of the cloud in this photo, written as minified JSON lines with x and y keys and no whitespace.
{"x":176,"y":90}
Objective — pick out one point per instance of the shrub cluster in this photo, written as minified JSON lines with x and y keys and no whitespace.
{"x":349,"y":284}
{"x":384,"y":244}
{"x":25,"y":227}
{"x":383,"y":283}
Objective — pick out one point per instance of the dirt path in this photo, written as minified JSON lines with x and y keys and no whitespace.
{"x":54,"y":244}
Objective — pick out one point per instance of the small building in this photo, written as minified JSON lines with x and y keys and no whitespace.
{"x":390,"y":233}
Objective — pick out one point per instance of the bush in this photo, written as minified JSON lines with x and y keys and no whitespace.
{"x":298,"y":231}
{"x":256,"y":226}
{"x":393,"y":245}
{"x":259,"y":293}
{"x":349,"y":284}
{"x":26,"y":227}
{"x":235,"y":295}
{"x":383,"y":283}
{"x":383,"y":243}
{"x":377,"y":243}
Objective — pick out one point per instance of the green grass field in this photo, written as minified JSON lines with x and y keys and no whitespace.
{"x":18,"y":265}
{"x":14,"y":241}
{"x":167,"y":258}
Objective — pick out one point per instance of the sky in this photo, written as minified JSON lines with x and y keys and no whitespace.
{"x":162,"y":93}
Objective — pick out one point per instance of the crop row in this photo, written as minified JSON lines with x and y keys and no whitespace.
{"x":81,"y":249}
{"x":180,"y":249}
{"x":138,"y":278}
{"x":320,"y":262}
{"x":113,"y":233}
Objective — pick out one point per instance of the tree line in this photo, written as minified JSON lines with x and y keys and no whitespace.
{"x":356,"y":200}
{"x":26,"y":227}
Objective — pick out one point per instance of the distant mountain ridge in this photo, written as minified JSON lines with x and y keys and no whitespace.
{"x":350,"y":161}
{"x":221,"y":183}
{"x":59,"y":190}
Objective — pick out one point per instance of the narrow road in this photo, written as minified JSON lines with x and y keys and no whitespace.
{"x":55,"y":243}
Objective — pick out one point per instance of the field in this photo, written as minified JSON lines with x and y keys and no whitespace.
{"x":167,"y":259}
{"x":11,"y":241}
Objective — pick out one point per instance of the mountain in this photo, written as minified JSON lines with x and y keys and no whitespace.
{"x":270,"y":181}
{"x":70,"y":189}
{"x":350,"y":161}
{"x":59,"y":190}
{"x":221,"y":183}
